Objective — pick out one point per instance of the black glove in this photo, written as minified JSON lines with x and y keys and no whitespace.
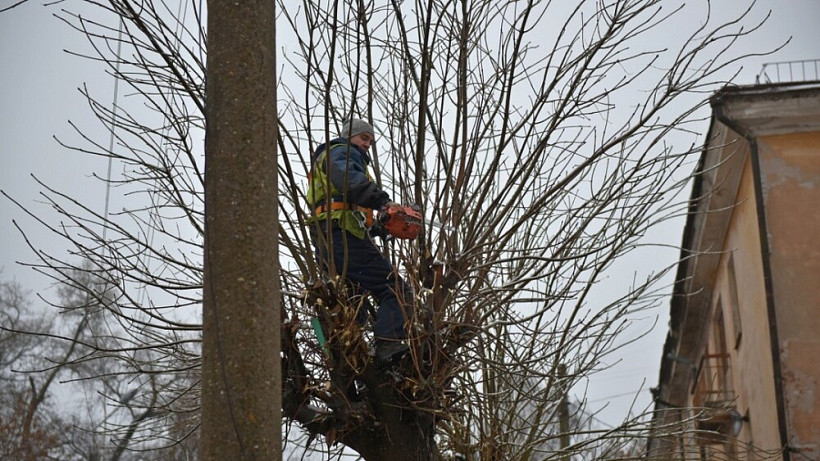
{"x":378,"y":230}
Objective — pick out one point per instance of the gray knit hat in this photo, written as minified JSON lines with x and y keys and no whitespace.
{"x":354,"y":126}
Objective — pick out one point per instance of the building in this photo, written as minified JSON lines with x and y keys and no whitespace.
{"x":741,"y":363}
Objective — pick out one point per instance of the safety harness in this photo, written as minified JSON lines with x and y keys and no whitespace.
{"x":342,"y":205}
{"x":349,"y":216}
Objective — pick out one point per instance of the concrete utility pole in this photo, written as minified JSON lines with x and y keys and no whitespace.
{"x":241,"y":365}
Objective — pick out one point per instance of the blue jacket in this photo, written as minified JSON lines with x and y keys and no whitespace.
{"x":349,"y":183}
{"x":355,"y":183}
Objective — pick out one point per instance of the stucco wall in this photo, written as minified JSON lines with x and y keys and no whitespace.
{"x":751,"y":360}
{"x":790,"y":170}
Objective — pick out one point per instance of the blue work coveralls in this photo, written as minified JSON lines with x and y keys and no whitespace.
{"x":355,"y":255}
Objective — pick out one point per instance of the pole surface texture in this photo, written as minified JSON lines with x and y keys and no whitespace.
{"x":241,"y":369}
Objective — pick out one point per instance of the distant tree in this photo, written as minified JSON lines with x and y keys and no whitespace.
{"x":31,"y":363}
{"x":542,"y":141}
{"x":45,"y":359}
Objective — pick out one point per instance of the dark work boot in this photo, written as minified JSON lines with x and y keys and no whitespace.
{"x":389,"y":352}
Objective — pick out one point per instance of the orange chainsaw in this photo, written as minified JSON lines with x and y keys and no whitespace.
{"x":401,"y":221}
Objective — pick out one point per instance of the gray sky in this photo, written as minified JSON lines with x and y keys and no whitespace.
{"x":38,"y":95}
{"x":640,"y":361}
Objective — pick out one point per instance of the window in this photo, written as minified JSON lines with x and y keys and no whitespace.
{"x":717,"y":364}
{"x":733,"y":300}
{"x":713,"y":379}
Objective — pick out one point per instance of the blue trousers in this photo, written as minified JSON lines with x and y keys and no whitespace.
{"x":362,"y":264}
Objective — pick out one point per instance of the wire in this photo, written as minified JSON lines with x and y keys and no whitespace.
{"x":609,"y":397}
{"x":112,"y":129}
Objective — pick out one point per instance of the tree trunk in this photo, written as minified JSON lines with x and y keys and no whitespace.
{"x":241,"y":370}
{"x":404,"y":433}
{"x":402,"y":440}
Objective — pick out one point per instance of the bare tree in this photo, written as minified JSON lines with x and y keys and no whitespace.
{"x":540,"y":141}
{"x":38,"y":353}
{"x":29,"y":427}
{"x":48,"y":359}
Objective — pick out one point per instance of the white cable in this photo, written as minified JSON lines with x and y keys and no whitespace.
{"x":113,"y":126}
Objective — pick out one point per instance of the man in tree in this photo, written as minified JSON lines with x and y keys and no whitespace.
{"x":340,"y":184}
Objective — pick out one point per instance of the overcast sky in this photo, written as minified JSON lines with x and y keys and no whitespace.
{"x":38,"y":95}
